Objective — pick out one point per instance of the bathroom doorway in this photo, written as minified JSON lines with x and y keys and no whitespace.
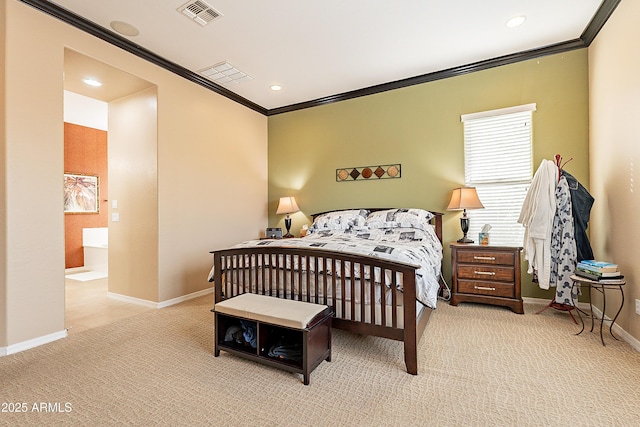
{"x":90,"y":86}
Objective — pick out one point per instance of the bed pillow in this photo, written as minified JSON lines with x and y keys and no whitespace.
{"x":340,"y":220}
{"x":399,"y":218}
{"x":395,"y":234}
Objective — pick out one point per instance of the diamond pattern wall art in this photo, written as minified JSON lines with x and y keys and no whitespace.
{"x":370,"y":173}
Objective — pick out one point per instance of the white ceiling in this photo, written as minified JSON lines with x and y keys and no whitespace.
{"x":319,"y":48}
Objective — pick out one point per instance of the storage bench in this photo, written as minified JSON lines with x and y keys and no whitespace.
{"x":288,"y":334}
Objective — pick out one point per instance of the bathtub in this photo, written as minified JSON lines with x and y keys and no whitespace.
{"x":95,"y":242}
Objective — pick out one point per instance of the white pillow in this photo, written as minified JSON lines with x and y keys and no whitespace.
{"x":340,"y":220}
{"x":394,"y":234}
{"x":399,"y":218}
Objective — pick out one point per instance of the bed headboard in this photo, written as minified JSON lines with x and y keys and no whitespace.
{"x":436,"y":220}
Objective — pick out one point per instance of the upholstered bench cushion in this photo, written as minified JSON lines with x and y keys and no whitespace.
{"x":277,"y":311}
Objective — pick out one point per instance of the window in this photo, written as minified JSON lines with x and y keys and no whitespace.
{"x":498,"y":162}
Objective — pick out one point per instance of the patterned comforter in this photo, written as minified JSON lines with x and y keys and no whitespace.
{"x":418,"y":247}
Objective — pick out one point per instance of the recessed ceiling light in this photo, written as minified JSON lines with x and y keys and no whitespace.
{"x":275,"y":87}
{"x":92,"y":82}
{"x":516,"y":21}
{"x":124,"y":28}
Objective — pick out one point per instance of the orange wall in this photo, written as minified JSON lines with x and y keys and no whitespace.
{"x":85,"y":152}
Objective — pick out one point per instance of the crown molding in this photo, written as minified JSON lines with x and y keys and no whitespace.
{"x":438,"y":75}
{"x":125,"y":44}
{"x":599,"y":19}
{"x":595,"y":25}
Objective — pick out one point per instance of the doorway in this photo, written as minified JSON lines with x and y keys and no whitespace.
{"x":89,"y":283}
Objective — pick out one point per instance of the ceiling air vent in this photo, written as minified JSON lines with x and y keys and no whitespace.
{"x":199,"y":12}
{"x":225,"y":73}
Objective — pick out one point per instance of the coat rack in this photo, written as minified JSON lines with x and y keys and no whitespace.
{"x":553,"y":304}
{"x":560,"y":165}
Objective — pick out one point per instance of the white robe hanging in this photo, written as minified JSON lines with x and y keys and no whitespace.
{"x":536,"y":215}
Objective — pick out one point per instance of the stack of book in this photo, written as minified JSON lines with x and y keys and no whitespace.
{"x":601,"y":271}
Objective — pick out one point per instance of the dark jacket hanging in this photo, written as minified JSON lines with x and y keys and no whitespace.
{"x":581,"y":202}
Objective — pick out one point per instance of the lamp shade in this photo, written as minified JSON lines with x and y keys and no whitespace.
{"x":464,"y":198}
{"x":287,"y":205}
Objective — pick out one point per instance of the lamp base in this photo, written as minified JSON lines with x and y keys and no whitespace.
{"x":464,"y":225}
{"x":465,"y":239}
{"x":287,"y":225}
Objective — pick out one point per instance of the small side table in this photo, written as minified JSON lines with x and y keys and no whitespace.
{"x":486,"y":274}
{"x":600,"y":287}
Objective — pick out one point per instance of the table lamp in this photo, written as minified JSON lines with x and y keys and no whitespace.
{"x":462,"y":199}
{"x":287,"y":206}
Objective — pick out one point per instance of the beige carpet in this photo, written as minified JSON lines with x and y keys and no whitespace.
{"x":87,"y":305}
{"x":479,"y":366}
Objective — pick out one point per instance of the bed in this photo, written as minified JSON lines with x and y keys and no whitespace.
{"x":378,"y":269}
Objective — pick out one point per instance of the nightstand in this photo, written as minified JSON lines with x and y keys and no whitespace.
{"x":486,"y":274}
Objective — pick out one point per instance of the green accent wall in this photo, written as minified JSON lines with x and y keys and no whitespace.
{"x":420,"y":128}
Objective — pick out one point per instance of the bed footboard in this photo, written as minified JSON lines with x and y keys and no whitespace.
{"x":368,"y":295}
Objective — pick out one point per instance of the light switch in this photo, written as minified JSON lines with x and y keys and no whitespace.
{"x":114,"y":204}
{"x":115,"y":217}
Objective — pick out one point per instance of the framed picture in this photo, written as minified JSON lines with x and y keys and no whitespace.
{"x":81,"y":193}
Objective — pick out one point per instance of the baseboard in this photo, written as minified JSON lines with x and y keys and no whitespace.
{"x":132,"y":300}
{"x":162,"y":304}
{"x":184,"y":298}
{"x":581,"y":305}
{"x":618,"y":330}
{"x":35,"y":342}
{"x":633,"y":342}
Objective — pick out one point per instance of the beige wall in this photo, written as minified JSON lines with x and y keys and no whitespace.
{"x":194,"y":215}
{"x":419,"y":127}
{"x":3,"y":180}
{"x":614,"y":68}
{"x":212,"y":182}
{"x":34,"y":159}
{"x":133,"y":183}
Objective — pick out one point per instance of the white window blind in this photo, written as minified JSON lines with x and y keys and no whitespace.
{"x":498,"y":162}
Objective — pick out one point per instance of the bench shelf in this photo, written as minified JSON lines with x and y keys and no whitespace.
{"x":298,"y":350}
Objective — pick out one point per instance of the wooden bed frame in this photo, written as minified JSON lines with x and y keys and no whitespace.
{"x":233,"y":275}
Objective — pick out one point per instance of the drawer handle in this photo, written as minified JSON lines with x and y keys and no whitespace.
{"x":485,"y":258}
{"x":484,"y":288}
{"x":486,"y":273}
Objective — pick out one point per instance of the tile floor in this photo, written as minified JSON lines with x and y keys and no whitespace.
{"x":88,"y":306}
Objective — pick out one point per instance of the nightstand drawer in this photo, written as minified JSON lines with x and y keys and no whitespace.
{"x":486,"y":288}
{"x":486,"y":272}
{"x":486,"y":257}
